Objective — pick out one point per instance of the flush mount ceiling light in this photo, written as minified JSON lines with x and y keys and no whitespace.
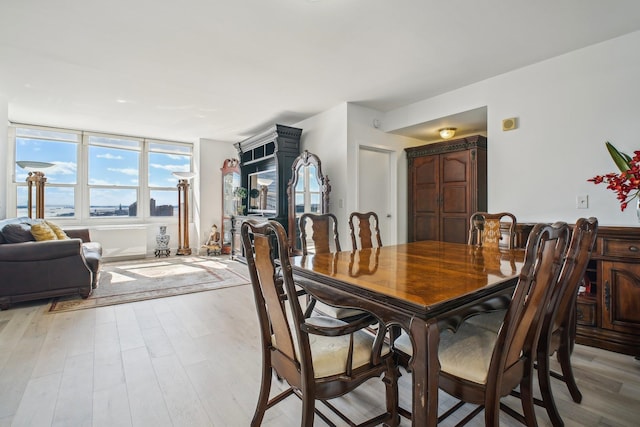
{"x":447,"y":133}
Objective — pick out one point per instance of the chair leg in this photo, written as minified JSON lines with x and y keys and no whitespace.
{"x":544,"y":380}
{"x":390,"y":381}
{"x":263,"y":397}
{"x":526,"y":399}
{"x":308,"y":409}
{"x":564,"y":357}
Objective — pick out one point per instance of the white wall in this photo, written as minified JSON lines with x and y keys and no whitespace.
{"x":4,"y":172}
{"x":334,"y":136}
{"x":325,"y":135}
{"x":567,"y":107}
{"x":211,"y":158}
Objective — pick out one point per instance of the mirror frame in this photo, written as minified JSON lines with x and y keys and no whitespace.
{"x":303,"y":160}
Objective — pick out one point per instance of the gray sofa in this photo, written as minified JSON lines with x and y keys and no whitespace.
{"x":32,"y":269}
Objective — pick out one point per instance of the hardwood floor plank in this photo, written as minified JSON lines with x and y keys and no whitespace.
{"x":74,"y":406}
{"x":146,"y":402}
{"x":38,"y":403}
{"x":180,"y":397}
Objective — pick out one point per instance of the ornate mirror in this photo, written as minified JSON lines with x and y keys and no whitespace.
{"x":308,"y":191}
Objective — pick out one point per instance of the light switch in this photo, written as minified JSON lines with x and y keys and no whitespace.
{"x":582,"y":202}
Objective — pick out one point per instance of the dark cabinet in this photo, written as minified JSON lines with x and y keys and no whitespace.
{"x":230,"y":181}
{"x":265,"y":170}
{"x":447,"y":183}
{"x":608,"y":313}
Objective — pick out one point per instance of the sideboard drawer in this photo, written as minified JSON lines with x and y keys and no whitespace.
{"x":620,"y":248}
{"x":586,"y":311}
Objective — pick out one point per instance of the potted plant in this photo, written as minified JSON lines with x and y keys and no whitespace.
{"x":240,"y":193}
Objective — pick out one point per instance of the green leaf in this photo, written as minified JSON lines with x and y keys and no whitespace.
{"x":620,"y":159}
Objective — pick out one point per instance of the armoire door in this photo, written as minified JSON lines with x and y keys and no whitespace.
{"x":455,"y":182}
{"x":425,"y":218}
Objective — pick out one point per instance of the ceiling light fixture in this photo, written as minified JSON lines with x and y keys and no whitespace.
{"x":447,"y":133}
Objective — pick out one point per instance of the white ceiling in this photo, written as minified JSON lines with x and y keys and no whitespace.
{"x":190,"y":69}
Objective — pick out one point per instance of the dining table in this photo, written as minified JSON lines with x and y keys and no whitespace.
{"x":414,"y":286}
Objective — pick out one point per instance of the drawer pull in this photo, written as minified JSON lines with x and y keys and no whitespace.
{"x":633,"y":249}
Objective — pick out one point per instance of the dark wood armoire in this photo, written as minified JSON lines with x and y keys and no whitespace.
{"x":447,"y":183}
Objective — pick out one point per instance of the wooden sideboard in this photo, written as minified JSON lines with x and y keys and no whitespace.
{"x":608,"y":315}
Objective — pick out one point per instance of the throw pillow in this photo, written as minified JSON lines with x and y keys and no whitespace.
{"x":41,"y":231}
{"x":17,"y":233}
{"x":60,"y":234}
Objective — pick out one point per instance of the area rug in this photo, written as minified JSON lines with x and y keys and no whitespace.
{"x":128,"y":281}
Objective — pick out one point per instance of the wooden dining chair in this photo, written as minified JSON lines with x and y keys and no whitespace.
{"x":492,"y":229}
{"x":324,"y":233}
{"x":324,"y":239}
{"x":320,"y":358}
{"x":480,"y":366}
{"x":558,"y":329}
{"x":367,"y":225}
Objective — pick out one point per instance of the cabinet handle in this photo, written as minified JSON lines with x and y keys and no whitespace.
{"x":633,"y":249}
{"x":607,"y":295}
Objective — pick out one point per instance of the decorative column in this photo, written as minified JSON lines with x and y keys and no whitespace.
{"x":183,"y":212}
{"x":37,"y":180}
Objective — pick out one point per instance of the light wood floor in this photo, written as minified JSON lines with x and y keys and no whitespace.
{"x":194,"y":360}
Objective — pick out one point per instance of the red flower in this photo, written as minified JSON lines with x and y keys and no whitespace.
{"x":626,"y":184}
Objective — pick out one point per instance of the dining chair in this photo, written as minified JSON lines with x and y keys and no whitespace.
{"x":367,"y":225}
{"x":491,"y":229}
{"x":324,"y":239}
{"x":480,"y":366}
{"x":558,"y":330}
{"x":320,"y":358}
{"x":324,"y":233}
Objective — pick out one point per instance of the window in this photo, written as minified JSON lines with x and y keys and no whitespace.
{"x":59,"y":148}
{"x":163,"y":160}
{"x":113,"y":175}
{"x":124,"y":178}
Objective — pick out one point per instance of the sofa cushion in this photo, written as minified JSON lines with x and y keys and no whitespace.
{"x":17,"y":233}
{"x":60,"y":234}
{"x":41,"y":231}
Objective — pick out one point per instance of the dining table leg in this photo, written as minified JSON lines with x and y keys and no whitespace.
{"x":425,"y":368}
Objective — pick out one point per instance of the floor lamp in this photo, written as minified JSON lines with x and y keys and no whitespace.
{"x":37,"y":180}
{"x":183,"y":212}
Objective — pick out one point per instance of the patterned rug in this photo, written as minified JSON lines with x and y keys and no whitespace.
{"x":137,"y":280}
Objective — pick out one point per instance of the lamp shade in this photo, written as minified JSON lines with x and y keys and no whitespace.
{"x":447,"y":133}
{"x":184,"y":175}
{"x":33,"y":166}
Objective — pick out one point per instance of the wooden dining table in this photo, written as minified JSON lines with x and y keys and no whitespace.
{"x":413,"y":286}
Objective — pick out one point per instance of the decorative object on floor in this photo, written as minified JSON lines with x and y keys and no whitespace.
{"x":143,"y":279}
{"x":35,"y":179}
{"x":183,"y":212}
{"x":626,"y":184}
{"x":213,"y":244}
{"x":162,"y":242}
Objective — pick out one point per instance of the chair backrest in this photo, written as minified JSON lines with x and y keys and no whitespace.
{"x":367,"y":224}
{"x":324,"y":233}
{"x":276,"y":300}
{"x":487,"y":229}
{"x":562,"y":303}
{"x":518,"y":337}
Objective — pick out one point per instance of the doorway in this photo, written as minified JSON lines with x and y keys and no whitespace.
{"x":377,"y":172}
